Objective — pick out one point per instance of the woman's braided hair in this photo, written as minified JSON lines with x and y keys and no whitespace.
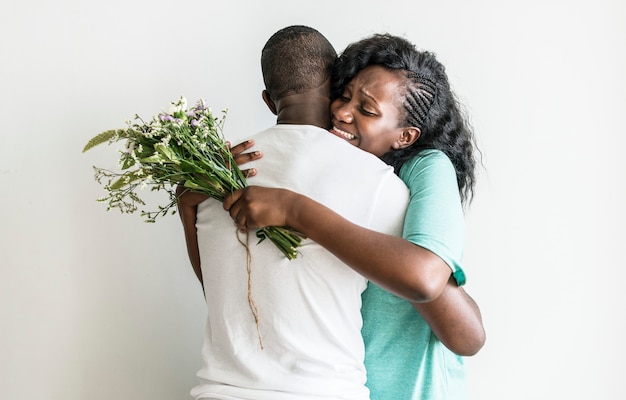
{"x":429,"y":103}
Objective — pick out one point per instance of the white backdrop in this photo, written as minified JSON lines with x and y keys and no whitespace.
{"x":99,"y":305}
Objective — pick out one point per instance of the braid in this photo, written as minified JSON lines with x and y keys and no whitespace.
{"x":429,"y":103}
{"x":419,"y":99}
{"x":443,"y":127}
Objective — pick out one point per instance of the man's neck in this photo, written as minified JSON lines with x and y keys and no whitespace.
{"x":310,"y":108}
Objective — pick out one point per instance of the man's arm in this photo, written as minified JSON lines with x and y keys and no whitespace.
{"x":455,"y":319}
{"x":187,"y":209}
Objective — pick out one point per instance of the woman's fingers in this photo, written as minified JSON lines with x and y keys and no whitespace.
{"x":241,"y":157}
{"x":230,"y":199}
{"x":234,"y":206}
{"x":248,"y":172}
{"x":241,"y":147}
{"x":247,"y":157}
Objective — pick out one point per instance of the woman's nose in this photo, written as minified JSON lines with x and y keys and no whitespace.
{"x":343,"y":113}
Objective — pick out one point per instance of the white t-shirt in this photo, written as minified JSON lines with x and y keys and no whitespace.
{"x":309,"y":307}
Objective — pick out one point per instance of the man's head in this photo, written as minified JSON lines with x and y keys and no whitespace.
{"x":295,"y":59}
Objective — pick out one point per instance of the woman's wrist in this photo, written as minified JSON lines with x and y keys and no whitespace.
{"x":301,"y":212}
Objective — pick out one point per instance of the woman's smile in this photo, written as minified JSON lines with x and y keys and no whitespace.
{"x":342,"y":134}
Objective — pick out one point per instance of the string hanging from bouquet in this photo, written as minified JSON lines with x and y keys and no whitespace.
{"x":180,"y":146}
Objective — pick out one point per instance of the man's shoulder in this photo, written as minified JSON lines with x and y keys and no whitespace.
{"x":313,"y":151}
{"x":290,"y":129}
{"x":317,"y":143}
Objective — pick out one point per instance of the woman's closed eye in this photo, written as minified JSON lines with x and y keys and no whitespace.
{"x":366,"y":111}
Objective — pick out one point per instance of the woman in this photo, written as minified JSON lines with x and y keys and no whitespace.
{"x":396,"y":102}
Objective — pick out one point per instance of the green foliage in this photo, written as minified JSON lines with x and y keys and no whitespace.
{"x":181,"y":146}
{"x":99,"y":139}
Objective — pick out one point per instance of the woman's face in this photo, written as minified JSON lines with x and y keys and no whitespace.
{"x":367,"y":113}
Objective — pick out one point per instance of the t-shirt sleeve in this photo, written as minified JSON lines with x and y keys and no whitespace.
{"x":434,"y":219}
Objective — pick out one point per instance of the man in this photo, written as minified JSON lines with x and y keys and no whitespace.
{"x":307,"y":342}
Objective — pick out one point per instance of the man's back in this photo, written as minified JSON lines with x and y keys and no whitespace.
{"x":309,"y":308}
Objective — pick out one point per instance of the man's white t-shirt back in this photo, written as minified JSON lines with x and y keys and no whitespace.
{"x":309,"y":307}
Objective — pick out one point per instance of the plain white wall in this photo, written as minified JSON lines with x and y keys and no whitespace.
{"x":99,"y":305}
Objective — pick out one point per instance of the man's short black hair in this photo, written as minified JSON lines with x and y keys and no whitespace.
{"x":295,"y":59}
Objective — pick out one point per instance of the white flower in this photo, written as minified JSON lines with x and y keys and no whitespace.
{"x":179,"y":106}
{"x":130,"y":146}
{"x":166,"y":140}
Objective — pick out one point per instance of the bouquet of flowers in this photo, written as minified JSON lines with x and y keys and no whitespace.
{"x":179,"y":147}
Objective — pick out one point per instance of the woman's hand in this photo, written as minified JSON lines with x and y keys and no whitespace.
{"x":258,"y":207}
{"x":243,"y":158}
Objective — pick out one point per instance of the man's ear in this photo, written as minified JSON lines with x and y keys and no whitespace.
{"x":408,"y":137}
{"x":268,"y":100}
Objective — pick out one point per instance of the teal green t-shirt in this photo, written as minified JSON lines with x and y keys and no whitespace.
{"x":403,"y":358}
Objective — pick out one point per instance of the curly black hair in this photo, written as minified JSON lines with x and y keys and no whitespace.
{"x":429,"y":103}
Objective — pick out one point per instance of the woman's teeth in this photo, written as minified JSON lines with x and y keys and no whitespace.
{"x":344,"y":134}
